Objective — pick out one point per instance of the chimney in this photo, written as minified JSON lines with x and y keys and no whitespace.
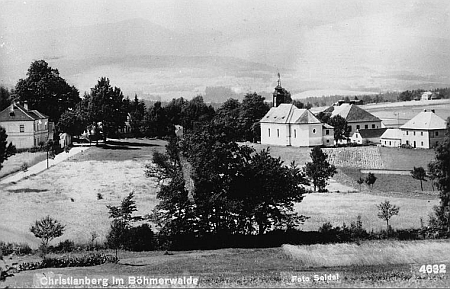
{"x":432,"y":111}
{"x":25,"y":105}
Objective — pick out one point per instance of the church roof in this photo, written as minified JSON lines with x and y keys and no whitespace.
{"x":351,"y":113}
{"x":289,"y":113}
{"x":425,"y":120}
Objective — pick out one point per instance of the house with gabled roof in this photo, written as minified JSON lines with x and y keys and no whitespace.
{"x":425,"y":130}
{"x":25,"y":128}
{"x":392,"y":137}
{"x":287,"y":125}
{"x":356,"y":117}
{"x":367,"y":136}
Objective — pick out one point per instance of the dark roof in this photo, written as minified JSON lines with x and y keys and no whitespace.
{"x":20,"y":113}
{"x":371,"y":133}
{"x":351,"y":113}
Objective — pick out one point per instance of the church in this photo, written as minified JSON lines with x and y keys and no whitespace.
{"x":286,"y":125}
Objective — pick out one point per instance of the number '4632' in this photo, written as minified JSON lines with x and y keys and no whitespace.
{"x":433,"y":269}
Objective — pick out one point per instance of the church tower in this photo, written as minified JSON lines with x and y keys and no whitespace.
{"x":280,"y":95}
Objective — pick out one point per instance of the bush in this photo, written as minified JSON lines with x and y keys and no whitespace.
{"x":19,"y":249}
{"x":99,"y":196}
{"x":91,"y":259}
{"x":24,"y":167}
{"x":139,"y":238}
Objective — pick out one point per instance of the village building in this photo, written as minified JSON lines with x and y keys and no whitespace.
{"x":25,"y":128}
{"x":286,"y":125}
{"x":392,"y":137}
{"x":425,"y":130}
{"x":368,"y":136}
{"x":356,"y":117}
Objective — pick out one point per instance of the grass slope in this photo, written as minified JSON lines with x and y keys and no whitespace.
{"x":13,"y":163}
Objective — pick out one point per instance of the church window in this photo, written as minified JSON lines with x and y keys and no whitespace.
{"x":314,"y":130}
{"x":278,"y":132}
{"x":295,"y":133}
{"x":269,"y":132}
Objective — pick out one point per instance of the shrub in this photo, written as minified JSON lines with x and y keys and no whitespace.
{"x":91,"y":259}
{"x":140,"y":238}
{"x":47,"y":229}
{"x":15,"y":248}
{"x":24,"y":167}
{"x":99,"y":196}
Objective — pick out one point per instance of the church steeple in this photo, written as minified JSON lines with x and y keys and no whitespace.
{"x":280,"y":95}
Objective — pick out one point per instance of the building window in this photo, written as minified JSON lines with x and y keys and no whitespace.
{"x":327,"y":132}
{"x":269,"y":132}
{"x":421,"y":133}
{"x":328,"y":140}
{"x":366,"y":126}
{"x":406,"y":132}
{"x":421,"y":143}
{"x":436,"y":133}
{"x":414,"y":133}
{"x":437,"y":143}
{"x":295,"y":133}
{"x":22,"y":128}
{"x":407,"y":142}
{"x":357,"y":127}
{"x":373,"y":125}
{"x":314,"y":130}
{"x":389,"y":142}
{"x":278,"y":132}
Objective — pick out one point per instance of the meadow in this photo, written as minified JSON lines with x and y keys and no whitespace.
{"x":13,"y":163}
{"x":369,"y":264}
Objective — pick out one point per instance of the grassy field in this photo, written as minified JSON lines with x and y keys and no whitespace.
{"x":13,"y":163}
{"x":68,"y":192}
{"x":377,"y":264}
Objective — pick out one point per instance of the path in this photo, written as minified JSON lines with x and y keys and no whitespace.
{"x":41,"y":166}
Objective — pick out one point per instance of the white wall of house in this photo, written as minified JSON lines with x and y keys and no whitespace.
{"x":328,"y":136}
{"x":22,"y":134}
{"x":297,"y":135}
{"x":315,"y":134}
{"x":423,"y":138}
{"x":363,"y":125}
{"x":389,"y":142}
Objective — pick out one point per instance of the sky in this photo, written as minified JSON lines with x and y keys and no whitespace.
{"x":348,"y":44}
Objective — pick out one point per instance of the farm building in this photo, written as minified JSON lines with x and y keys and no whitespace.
{"x":367,"y":136}
{"x":392,"y":137}
{"x":356,"y":117}
{"x":25,"y":128}
{"x":425,"y":130}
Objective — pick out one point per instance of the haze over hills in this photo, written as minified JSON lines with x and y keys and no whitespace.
{"x":353,"y":51}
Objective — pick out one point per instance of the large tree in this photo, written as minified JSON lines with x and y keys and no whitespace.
{"x":227,"y":118}
{"x":252,"y":110}
{"x":440,"y":173}
{"x":46,"y":91}
{"x":156,"y":123}
{"x":6,"y":150}
{"x":196,"y":112}
{"x":5,"y":98}
{"x":341,"y":129}
{"x":105,"y":105}
{"x":419,"y":174}
{"x":319,"y":170}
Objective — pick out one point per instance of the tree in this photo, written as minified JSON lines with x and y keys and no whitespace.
{"x":5,"y":98}
{"x":387,"y":211}
{"x":46,"y":91}
{"x":298,"y":103}
{"x":122,"y":216}
{"x":156,"y":123}
{"x":419,"y":174}
{"x":72,"y":122}
{"x":252,"y":110}
{"x":341,"y":129}
{"x":105,"y":105}
{"x":6,"y":150}
{"x":319,"y":169}
{"x":137,"y":113}
{"x":196,"y":112}
{"x":370,"y":179}
{"x":440,"y":172}
{"x":47,"y":229}
{"x":227,"y":119}
{"x":360,"y":181}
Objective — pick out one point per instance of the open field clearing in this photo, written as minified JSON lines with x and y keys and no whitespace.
{"x":337,"y":208}
{"x":69,"y":190}
{"x":272,"y":266}
{"x":388,"y":184}
{"x":398,"y":113}
{"x":13,"y":163}
{"x":366,"y":157}
{"x":371,"y":253}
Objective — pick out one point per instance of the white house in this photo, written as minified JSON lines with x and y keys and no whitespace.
{"x":367,"y":136}
{"x":287,"y":125}
{"x":356,"y":117}
{"x":25,"y":128}
{"x":392,"y":137}
{"x":425,"y":130}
